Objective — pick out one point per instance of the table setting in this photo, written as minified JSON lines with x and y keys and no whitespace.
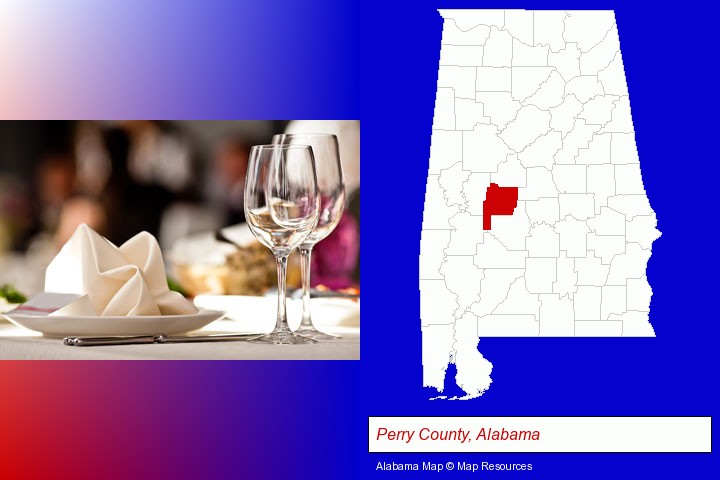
{"x":107,"y":301}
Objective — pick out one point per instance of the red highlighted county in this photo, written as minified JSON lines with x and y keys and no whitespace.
{"x":498,"y":201}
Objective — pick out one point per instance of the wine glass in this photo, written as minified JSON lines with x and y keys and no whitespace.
{"x":331,"y":187}
{"x":281,"y":208}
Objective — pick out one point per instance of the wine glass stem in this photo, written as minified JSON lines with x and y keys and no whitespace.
{"x":282,"y":324}
{"x":305,"y":257}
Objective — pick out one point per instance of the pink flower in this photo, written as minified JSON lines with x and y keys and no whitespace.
{"x":334,"y":259}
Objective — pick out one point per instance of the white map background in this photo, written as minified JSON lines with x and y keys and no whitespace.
{"x":536,"y":100}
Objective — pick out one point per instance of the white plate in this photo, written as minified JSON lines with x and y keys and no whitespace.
{"x":259,"y":313}
{"x":108,"y":326}
{"x":6,"y":307}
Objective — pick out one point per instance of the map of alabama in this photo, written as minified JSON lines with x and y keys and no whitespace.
{"x":536,"y":220}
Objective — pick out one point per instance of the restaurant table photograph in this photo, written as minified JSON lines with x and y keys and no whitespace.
{"x":179,"y":240}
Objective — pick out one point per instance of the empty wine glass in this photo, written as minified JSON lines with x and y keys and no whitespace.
{"x":282,"y":208}
{"x":331,"y":187}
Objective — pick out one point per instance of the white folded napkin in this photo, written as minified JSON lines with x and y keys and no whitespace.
{"x":115,"y":281}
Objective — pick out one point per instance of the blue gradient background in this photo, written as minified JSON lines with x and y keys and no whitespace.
{"x":178,"y":59}
{"x":376,"y":61}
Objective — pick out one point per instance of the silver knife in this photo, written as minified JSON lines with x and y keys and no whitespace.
{"x":159,"y":338}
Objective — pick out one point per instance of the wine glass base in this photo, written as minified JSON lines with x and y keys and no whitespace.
{"x":312,"y":332}
{"x":282,"y":338}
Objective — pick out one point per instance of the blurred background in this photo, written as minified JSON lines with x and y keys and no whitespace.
{"x":182,"y":181}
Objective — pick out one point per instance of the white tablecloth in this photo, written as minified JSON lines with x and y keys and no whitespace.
{"x":20,"y":344}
